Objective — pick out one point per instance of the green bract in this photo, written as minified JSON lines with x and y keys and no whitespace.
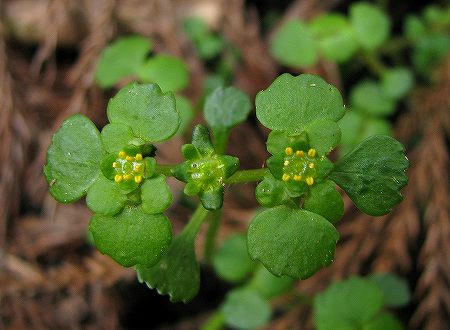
{"x":204,"y":171}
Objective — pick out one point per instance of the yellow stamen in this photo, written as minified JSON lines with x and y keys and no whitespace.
{"x":116,"y":164}
{"x":309,"y":181}
{"x":138,"y":168}
{"x":122,"y":154}
{"x":129,"y":158}
{"x":138,"y":179}
{"x":127,"y":176}
{"x":286,"y":177}
{"x":118,"y":178}
{"x":312,"y":152}
{"x":288,"y":151}
{"x":286,"y":163}
{"x":300,"y":153}
{"x":138,"y":157}
{"x":311,"y":165}
{"x":297,"y":177}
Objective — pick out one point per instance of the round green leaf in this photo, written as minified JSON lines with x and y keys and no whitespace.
{"x":177,"y":273}
{"x":414,"y":28}
{"x":121,"y":59}
{"x":156,"y":195}
{"x":337,"y":40}
{"x":231,"y":261}
{"x":323,"y":135}
{"x":226,"y":107}
{"x":373,"y":174}
{"x":132,"y":237}
{"x":325,"y":200}
{"x":116,"y":136}
{"x":429,"y":50}
{"x":384,"y":321}
{"x":349,"y":304}
{"x":397,"y":82}
{"x":368,"y":96}
{"x":73,"y":159}
{"x":151,"y":114}
{"x":269,"y":285}
{"x":395,"y":289}
{"x":371,"y":25}
{"x":291,"y":103}
{"x":186,"y":112}
{"x":292,"y":242}
{"x":245,"y":309}
{"x":105,"y":197}
{"x":169,"y":72}
{"x":294,"y":45}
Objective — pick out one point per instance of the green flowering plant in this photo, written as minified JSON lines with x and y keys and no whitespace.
{"x":292,"y":237}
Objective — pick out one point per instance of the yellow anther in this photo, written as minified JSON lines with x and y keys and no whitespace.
{"x":129,"y":158}
{"x":122,"y":154}
{"x":116,"y":164}
{"x":127,"y":176}
{"x":311,"y":165}
{"x":309,"y":181}
{"x":288,"y":151}
{"x":286,"y":163}
{"x":138,"y":167}
{"x":297,"y":177}
{"x":118,"y":178}
{"x":312,"y":152}
{"x":138,"y":179}
{"x":286,"y":177}
{"x":138,"y":157}
{"x":300,"y":153}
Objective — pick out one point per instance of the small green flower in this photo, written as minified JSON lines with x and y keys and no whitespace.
{"x":204,"y":171}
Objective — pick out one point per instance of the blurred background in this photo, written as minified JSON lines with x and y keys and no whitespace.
{"x":50,"y":274}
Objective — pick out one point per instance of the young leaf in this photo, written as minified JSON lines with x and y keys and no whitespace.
{"x":369,"y":97}
{"x":105,"y":197}
{"x":347,"y":305}
{"x":323,"y":135}
{"x":373,"y":174}
{"x":73,"y":159}
{"x":291,"y":103}
{"x":116,"y":136}
{"x":370,"y":24}
{"x":397,"y":82}
{"x":231,"y":261}
{"x":177,"y":273}
{"x":245,"y":309}
{"x":169,"y":72}
{"x":337,"y":40}
{"x":121,"y":59}
{"x":156,"y":195}
{"x":325,"y":200}
{"x":385,"y":321}
{"x":395,"y":289}
{"x":269,"y":285}
{"x":151,"y":114}
{"x":132,"y":237}
{"x":292,"y":242}
{"x":226,"y":107}
{"x":293,"y":45}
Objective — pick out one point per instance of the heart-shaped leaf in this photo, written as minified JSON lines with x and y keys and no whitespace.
{"x":292,"y":242}
{"x":151,"y":114}
{"x":132,"y":237}
{"x":373,"y":174}
{"x":73,"y":159}
{"x":291,"y":103}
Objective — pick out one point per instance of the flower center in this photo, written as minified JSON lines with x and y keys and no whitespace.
{"x":207,"y":172}
{"x":128,"y":167}
{"x":299,"y":165}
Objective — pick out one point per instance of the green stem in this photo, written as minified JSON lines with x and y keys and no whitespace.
{"x":213,"y":229}
{"x":195,"y":222}
{"x":164,"y":169}
{"x":244,"y":176}
{"x":215,"y":322}
{"x":221,"y":140}
{"x":374,"y":63}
